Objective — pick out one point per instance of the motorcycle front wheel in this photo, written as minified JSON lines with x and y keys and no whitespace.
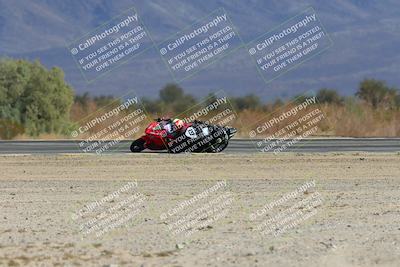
{"x":220,"y":145}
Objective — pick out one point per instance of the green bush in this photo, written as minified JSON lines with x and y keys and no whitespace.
{"x":36,"y":98}
{"x":329,"y":96}
{"x":377,"y":93}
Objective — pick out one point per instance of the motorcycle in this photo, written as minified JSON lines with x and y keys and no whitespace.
{"x":193,"y":137}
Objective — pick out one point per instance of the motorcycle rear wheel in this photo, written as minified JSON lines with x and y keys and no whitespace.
{"x":138,"y":145}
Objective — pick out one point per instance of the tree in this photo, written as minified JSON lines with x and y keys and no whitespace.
{"x":329,"y":96}
{"x":377,"y":93}
{"x":173,"y":97}
{"x":246,"y":102}
{"x":299,"y":99}
{"x":36,"y":98}
{"x":185,"y":103}
{"x":210,"y":99}
{"x":83,"y":100}
{"x":105,"y":100}
{"x":152,"y":106}
{"x":397,"y":101}
{"x":171,"y":93}
{"x":278,"y":103}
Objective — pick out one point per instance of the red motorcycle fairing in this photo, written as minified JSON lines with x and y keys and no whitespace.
{"x":156,"y":137}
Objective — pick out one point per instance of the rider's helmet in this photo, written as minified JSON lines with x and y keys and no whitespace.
{"x":178,"y":123}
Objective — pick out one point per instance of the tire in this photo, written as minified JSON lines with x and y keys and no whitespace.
{"x":219,"y":147}
{"x":138,"y":145}
{"x":216,"y":148}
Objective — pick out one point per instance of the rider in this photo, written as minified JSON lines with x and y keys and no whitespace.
{"x":172,"y":126}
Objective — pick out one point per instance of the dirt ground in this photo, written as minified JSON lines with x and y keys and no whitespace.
{"x":44,"y":201}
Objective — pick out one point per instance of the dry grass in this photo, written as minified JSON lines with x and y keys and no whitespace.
{"x":350,"y":120}
{"x":362,"y":121}
{"x":358,"y":120}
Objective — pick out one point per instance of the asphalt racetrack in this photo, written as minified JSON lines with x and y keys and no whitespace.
{"x":235,"y":146}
